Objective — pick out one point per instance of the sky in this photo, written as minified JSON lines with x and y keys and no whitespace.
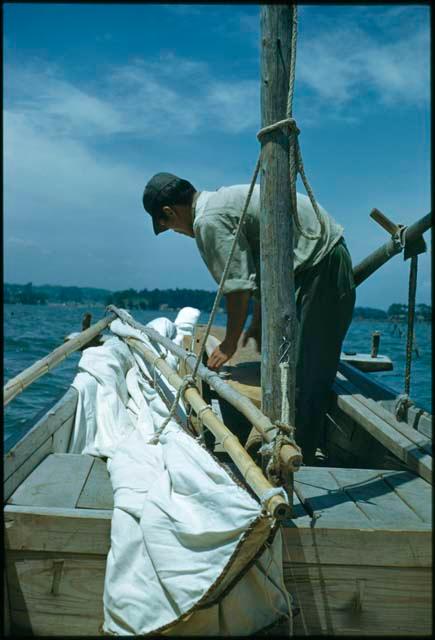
{"x":99,"y":97}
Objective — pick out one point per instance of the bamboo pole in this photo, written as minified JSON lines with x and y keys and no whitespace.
{"x":25,"y":378}
{"x":275,"y":505}
{"x":379,"y":257}
{"x":290,"y":454}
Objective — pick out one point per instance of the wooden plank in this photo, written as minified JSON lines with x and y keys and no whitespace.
{"x":386,"y":397}
{"x":73,"y":607}
{"x":365,"y":362}
{"x":424,"y":424}
{"x":21,"y":473}
{"x":417,"y":460}
{"x":374,"y":496}
{"x":81,"y":531}
{"x":97,"y":492}
{"x":348,"y":444}
{"x":360,"y":601}
{"x":56,"y":482}
{"x":306,"y":540}
{"x":56,"y":624}
{"x":369,"y":386}
{"x":43,"y":429}
{"x":416,"y":492}
{"x":411,"y":434}
{"x":62,"y":436}
{"x":323,"y":497}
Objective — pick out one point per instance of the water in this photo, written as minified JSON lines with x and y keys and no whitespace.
{"x":31,"y":332}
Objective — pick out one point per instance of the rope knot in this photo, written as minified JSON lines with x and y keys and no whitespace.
{"x":285,"y":429}
{"x":289,"y":123}
{"x":403,"y":402}
{"x":271,"y":450}
{"x":188,"y":381}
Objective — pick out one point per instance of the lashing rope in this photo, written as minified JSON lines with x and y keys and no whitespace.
{"x":200,"y":423}
{"x":411,"y":317}
{"x":403,"y":401}
{"x":188,"y":381}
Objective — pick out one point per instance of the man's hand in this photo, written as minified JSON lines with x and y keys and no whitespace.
{"x":253,"y":332}
{"x":221,"y":355}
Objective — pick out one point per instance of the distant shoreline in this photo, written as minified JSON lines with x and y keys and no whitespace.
{"x":99,"y":305}
{"x":165,"y":300}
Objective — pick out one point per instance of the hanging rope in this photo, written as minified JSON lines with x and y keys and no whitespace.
{"x":295,"y":156}
{"x":226,"y":269}
{"x":188,"y":381}
{"x":411,"y":318}
{"x":403,"y":401}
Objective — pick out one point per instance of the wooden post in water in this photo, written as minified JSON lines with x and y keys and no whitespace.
{"x":276,"y":229}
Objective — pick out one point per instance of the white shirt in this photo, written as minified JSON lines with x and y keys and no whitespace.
{"x":216,"y":216}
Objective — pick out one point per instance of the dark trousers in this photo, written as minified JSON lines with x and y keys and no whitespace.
{"x":325,"y":298}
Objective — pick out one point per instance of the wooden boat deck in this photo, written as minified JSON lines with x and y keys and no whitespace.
{"x":366,"y":497}
{"x":357,"y":554}
{"x":360,"y":543}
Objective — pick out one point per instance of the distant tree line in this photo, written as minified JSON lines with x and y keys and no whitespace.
{"x":151,"y":299}
{"x":400,"y":312}
{"x":369,"y":313}
{"x":30,"y":294}
{"x":396,"y":311}
{"x":166,"y":299}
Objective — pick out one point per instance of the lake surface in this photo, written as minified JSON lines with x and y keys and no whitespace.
{"x":31,"y":332}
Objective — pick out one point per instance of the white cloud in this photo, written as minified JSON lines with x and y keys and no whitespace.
{"x":345,"y":62}
{"x":73,"y":216}
{"x":168,"y":95}
{"x":20,"y":242}
{"x":235,"y":107}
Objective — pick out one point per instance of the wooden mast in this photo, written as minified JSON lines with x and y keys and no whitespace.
{"x":276,"y":228}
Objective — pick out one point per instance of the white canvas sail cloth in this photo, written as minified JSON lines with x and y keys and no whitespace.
{"x":188,"y":553}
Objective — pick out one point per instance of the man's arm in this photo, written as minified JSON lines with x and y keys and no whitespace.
{"x":237,"y":312}
{"x":254,"y":330}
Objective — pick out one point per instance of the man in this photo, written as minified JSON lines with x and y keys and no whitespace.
{"x":325,"y":290}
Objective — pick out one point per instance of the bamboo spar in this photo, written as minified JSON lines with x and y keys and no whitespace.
{"x":380,"y":256}
{"x":276,"y":505}
{"x":290,"y":454}
{"x":39,"y":368}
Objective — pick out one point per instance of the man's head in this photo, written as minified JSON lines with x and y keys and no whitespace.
{"x":168,"y":200}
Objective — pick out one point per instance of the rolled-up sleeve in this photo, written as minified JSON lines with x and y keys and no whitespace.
{"x":214,"y":236}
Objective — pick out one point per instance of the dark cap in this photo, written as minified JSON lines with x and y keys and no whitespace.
{"x":161,"y":190}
